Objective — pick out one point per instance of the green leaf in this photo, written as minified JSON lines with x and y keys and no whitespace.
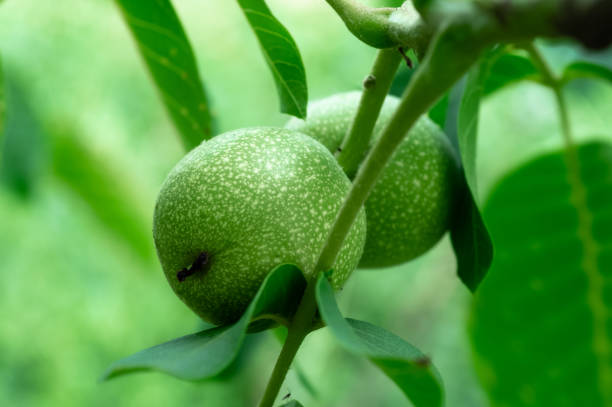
{"x":282,"y":56}
{"x":507,"y":69}
{"x":172,"y":64}
{"x":588,"y":70}
{"x":2,"y":108}
{"x":470,"y":239}
{"x":469,"y":236}
{"x":438,"y":112}
{"x":451,"y":113}
{"x":495,"y":70}
{"x":207,"y":353}
{"x":23,"y":151}
{"x":408,"y":367}
{"x":467,"y":126}
{"x":292,"y":403}
{"x":541,"y":326}
{"x":107,"y":191}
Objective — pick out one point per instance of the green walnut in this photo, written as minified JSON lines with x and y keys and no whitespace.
{"x":409,"y":209}
{"x":239,"y":205}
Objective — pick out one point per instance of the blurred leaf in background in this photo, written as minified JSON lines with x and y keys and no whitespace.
{"x":23,"y":153}
{"x":536,"y":334}
{"x":112,"y":196}
{"x":507,"y":69}
{"x":586,"y":70}
{"x":540,"y":324}
{"x":2,"y":105}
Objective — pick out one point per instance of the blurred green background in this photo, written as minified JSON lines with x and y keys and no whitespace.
{"x":86,"y":148}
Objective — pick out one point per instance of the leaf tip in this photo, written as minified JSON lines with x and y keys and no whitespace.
{"x":107,"y":375}
{"x":423,"y":361}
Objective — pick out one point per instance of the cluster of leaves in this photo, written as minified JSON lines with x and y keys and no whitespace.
{"x":208,"y":353}
{"x":214,"y":349}
{"x":549,"y":222}
{"x":31,"y":148}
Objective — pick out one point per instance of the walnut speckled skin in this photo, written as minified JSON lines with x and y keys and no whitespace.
{"x":252,"y":199}
{"x":329,"y":119}
{"x":408,"y":210}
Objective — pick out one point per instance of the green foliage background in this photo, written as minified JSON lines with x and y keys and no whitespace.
{"x":81,"y":287}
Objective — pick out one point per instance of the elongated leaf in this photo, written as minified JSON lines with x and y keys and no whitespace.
{"x":541,"y":325}
{"x":470,"y":240}
{"x":207,"y":353}
{"x":408,"y":367}
{"x":109,"y":194}
{"x":450,"y":125}
{"x":171,"y":62}
{"x":2,"y":107}
{"x":292,"y":403}
{"x":24,"y":147}
{"x":282,"y":56}
{"x":507,"y":69}
{"x":495,"y":70}
{"x":588,"y":70}
{"x":438,"y":112}
{"x":467,"y":126}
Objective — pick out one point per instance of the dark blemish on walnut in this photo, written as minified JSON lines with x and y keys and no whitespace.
{"x":197,"y":266}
